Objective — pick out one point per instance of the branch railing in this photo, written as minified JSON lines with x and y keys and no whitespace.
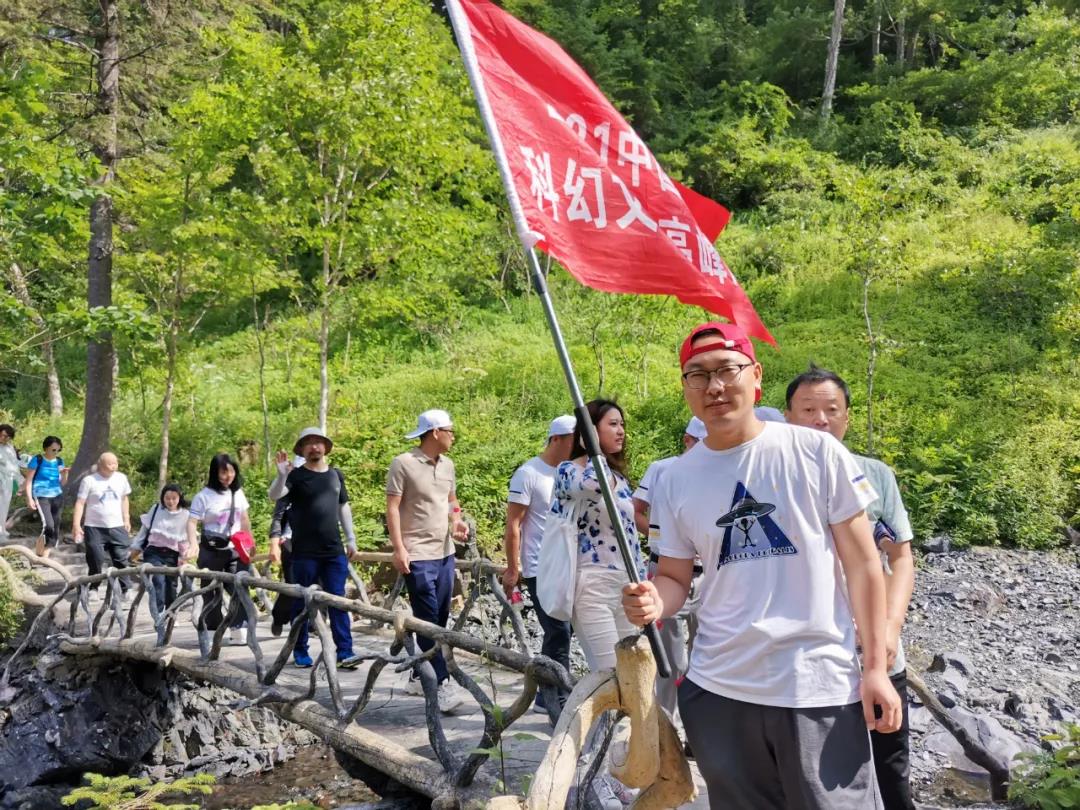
{"x":116,"y":619}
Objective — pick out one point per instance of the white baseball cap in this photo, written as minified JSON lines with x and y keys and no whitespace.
{"x":767,"y":414}
{"x":312,"y":431}
{"x":696,"y":428}
{"x":562,"y":425}
{"x":430,"y":420}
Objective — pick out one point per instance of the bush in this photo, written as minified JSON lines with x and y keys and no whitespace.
{"x":1050,"y":780}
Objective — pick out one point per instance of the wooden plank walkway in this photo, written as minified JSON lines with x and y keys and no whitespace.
{"x":391,"y":712}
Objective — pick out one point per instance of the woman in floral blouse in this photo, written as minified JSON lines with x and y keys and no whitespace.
{"x":598,"y":619}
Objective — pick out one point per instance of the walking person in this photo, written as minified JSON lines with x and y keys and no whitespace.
{"x":775,"y":704}
{"x":102,"y":504}
{"x":820,"y":399}
{"x":423,"y":518}
{"x":46,"y":476}
{"x":164,"y":529}
{"x":598,"y":619}
{"x":222,"y":510}
{"x":10,"y":474}
{"x":527,"y":508}
{"x":675,"y":633}
{"x":318,"y":509}
{"x":281,"y":613}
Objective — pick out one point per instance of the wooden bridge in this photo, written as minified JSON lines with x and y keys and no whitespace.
{"x":496,"y":755}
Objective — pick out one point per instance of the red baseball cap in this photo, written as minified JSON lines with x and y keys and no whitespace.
{"x":729,"y":336}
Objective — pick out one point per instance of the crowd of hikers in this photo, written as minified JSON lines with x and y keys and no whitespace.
{"x":775,"y":564}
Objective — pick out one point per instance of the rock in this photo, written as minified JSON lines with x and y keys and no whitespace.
{"x":938,"y":544}
{"x":986,"y":730}
{"x":953,"y":660}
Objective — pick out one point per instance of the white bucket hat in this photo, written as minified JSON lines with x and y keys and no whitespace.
{"x":312,"y":431}
{"x":430,"y":420}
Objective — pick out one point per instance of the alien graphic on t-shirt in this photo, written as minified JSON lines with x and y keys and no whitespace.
{"x":748,"y":515}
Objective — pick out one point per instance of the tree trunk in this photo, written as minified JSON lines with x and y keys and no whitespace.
{"x":900,"y":42}
{"x":324,"y":339}
{"x":167,"y":400}
{"x":100,"y":355}
{"x":831,"y":60}
{"x":21,"y":291}
{"x":260,"y":343}
{"x":875,"y":36}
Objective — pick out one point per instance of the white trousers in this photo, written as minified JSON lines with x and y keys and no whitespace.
{"x":598,"y":619}
{"x":5,"y":503}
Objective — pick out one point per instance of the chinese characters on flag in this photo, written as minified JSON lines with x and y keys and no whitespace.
{"x":588,"y":190}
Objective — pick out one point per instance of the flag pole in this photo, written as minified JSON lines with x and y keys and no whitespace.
{"x":460,"y":24}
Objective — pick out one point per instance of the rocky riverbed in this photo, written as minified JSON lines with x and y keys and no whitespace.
{"x":996,"y":634}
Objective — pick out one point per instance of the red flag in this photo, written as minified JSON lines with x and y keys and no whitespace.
{"x":585,"y":188}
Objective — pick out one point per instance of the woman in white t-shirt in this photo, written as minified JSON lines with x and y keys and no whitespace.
{"x":164,"y":528}
{"x":222,"y":509}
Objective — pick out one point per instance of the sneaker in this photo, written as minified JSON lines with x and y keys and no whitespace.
{"x":302,"y":660}
{"x":538,"y":705}
{"x":276,"y":627}
{"x":414,"y":687}
{"x":350,"y":661}
{"x":451,"y":697}
{"x":237,"y":636}
{"x":605,"y":793}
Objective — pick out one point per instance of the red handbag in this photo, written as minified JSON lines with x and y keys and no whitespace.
{"x":244,"y":546}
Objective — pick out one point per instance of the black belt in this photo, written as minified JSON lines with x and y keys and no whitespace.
{"x":655,"y":558}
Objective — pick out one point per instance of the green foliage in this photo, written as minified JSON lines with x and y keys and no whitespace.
{"x":1050,"y":780}
{"x":107,"y":792}
{"x":12,"y":613}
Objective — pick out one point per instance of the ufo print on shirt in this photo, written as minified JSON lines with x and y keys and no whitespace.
{"x":749,"y":532}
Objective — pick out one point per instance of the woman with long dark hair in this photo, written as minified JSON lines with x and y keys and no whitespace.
{"x":46,"y":476}
{"x":598,"y":618}
{"x":222,"y":509}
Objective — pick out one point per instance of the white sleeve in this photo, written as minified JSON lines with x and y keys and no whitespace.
{"x":848,"y":491}
{"x":666,"y":536}
{"x":520,"y":487}
{"x":197,"y":509}
{"x":893,"y":511}
{"x":127,"y":486}
{"x":648,"y":480}
{"x":242,"y":504}
{"x":84,"y":489}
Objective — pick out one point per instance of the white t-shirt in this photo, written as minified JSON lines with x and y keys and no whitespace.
{"x":775,"y":625}
{"x":531,"y":486}
{"x":651,"y":478}
{"x":104,"y":498}
{"x":212,"y":509}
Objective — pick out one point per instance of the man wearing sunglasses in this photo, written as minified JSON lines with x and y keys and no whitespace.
{"x":423,"y":519}
{"x":775,"y":705}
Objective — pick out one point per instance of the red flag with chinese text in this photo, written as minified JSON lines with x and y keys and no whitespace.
{"x":588,"y":190}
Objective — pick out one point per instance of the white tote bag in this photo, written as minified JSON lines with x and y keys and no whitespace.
{"x":556,"y":574}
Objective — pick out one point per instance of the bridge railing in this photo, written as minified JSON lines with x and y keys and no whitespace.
{"x":204,"y":591}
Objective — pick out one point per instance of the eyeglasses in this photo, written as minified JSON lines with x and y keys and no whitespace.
{"x":446,"y":430}
{"x":699,"y":379}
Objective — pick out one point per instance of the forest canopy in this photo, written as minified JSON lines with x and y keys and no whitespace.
{"x":299,"y":215}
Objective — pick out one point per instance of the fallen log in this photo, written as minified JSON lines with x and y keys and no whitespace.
{"x":973,"y":750}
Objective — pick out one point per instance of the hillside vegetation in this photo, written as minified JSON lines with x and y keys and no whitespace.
{"x":938,"y":205}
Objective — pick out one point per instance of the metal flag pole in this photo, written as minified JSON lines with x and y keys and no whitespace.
{"x":460,"y":24}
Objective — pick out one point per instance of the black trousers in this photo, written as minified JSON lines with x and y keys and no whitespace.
{"x":283,"y":604}
{"x":105,"y":547}
{"x":49,"y":510}
{"x":556,"y":643}
{"x":214,"y":560}
{"x":892,"y":757}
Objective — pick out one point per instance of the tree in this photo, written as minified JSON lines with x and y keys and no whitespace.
{"x":831,"y":60}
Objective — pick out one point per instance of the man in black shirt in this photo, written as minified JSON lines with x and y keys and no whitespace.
{"x":318,"y":508}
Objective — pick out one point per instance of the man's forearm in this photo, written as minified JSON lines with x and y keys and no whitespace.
{"x":867,"y":588}
{"x":512,"y":547}
{"x":393,"y":528}
{"x":672,"y":593}
{"x":76,"y":516}
{"x":346,"y":519}
{"x":898,"y":587}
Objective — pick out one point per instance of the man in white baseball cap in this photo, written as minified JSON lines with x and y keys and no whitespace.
{"x":675,"y":632}
{"x":527,"y":507}
{"x":423,"y":519}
